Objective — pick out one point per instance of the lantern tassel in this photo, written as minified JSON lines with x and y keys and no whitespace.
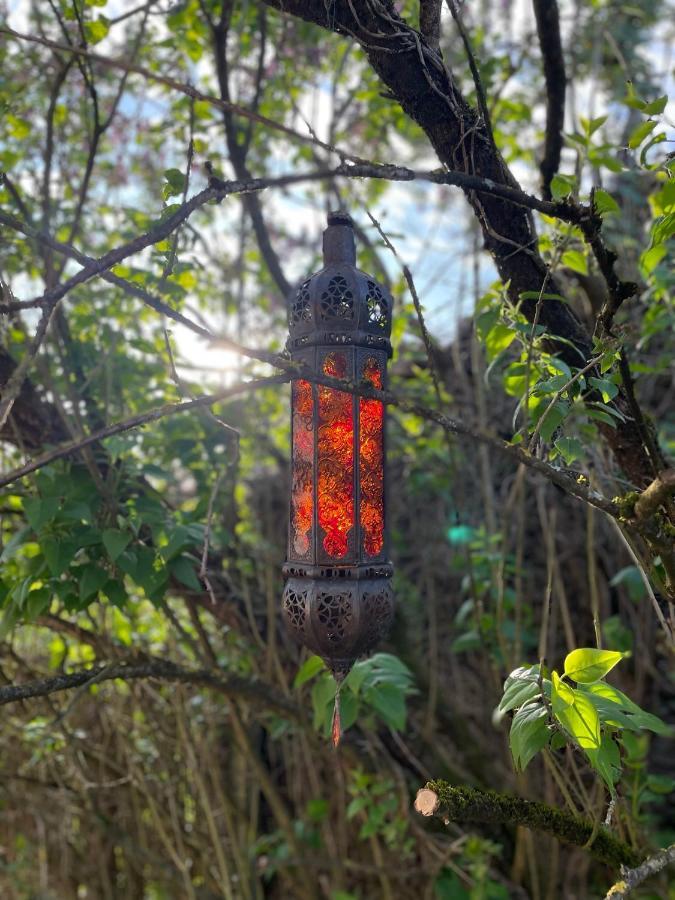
{"x":336,"y":730}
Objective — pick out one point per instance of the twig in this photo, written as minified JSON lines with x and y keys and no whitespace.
{"x":172,"y":83}
{"x":645,"y":579}
{"x":631,"y":878}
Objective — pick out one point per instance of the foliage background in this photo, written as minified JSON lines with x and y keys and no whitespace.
{"x":159,"y":789}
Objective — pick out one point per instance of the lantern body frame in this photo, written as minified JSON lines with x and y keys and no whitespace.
{"x":338,"y":599}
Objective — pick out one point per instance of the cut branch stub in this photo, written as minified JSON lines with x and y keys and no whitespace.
{"x":426,"y":802}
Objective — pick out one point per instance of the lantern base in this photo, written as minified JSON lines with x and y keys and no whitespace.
{"x":339,"y":620}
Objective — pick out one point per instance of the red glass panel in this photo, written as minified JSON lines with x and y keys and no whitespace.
{"x":302,"y":497}
{"x":336,"y":460}
{"x":371,"y":463}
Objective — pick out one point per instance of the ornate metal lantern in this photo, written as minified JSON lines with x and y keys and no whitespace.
{"x":338,"y":599}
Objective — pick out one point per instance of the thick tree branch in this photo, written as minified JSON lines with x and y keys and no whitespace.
{"x":430,"y":22}
{"x":468,"y":805}
{"x":657,"y":494}
{"x":550,"y":43}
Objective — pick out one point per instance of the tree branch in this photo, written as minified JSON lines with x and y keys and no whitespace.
{"x":430,"y":22}
{"x":469,"y":805}
{"x":631,"y":878}
{"x":257,"y":693}
{"x":152,"y":415}
{"x":550,"y":43}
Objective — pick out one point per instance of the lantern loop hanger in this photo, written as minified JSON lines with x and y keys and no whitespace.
{"x":338,"y":600}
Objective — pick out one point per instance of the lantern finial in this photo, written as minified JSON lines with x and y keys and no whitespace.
{"x":338,"y":240}
{"x":338,"y":599}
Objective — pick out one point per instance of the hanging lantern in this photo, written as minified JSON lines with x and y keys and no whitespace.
{"x":338,"y":599}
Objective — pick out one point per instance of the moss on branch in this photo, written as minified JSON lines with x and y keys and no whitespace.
{"x":461,"y":804}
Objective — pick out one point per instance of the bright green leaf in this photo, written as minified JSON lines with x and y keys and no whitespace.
{"x":640,"y":133}
{"x":604,"y":202}
{"x":576,"y":261}
{"x":580,"y":721}
{"x":589,"y":664}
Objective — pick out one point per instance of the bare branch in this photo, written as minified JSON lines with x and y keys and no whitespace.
{"x":631,"y":878}
{"x":175,"y":85}
{"x":169,"y":409}
{"x":256,"y":692}
{"x":550,"y":43}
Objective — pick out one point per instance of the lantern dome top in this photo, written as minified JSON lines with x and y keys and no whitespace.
{"x":340,"y":304}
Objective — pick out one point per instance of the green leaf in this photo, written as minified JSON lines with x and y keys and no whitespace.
{"x":40,"y":511}
{"x":389,"y":701}
{"x":554,"y":420}
{"x":606,"y":387}
{"x":323,"y":696}
{"x":178,"y":539}
{"x":656,"y":107}
{"x":651,"y":258}
{"x":95,"y":31}
{"x":618,"y":710}
{"x":576,"y":261}
{"x":349,"y":709}
{"x":580,"y":720}
{"x":183,"y":569}
{"x":590,"y":127}
{"x":521,"y":685}
{"x":562,"y":695}
{"x":606,"y":760}
{"x":308,"y":670}
{"x":562,"y":186}
{"x":589,"y":664}
{"x":116,"y":593}
{"x":498,"y":339}
{"x":175,"y":183}
{"x":14,"y":544}
{"x":470,"y":640}
{"x":570,"y":449}
{"x":632,"y":579}
{"x":662,"y":228}
{"x":92,"y":579}
{"x":529,"y":734}
{"x":115,"y":542}
{"x":58,"y":554}
{"x":640,"y":133}
{"x":604,"y":202}
{"x":551,"y":385}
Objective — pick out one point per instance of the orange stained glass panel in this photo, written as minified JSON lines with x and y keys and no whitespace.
{"x":302,"y":494}
{"x":371,"y":463}
{"x":335,"y":501}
